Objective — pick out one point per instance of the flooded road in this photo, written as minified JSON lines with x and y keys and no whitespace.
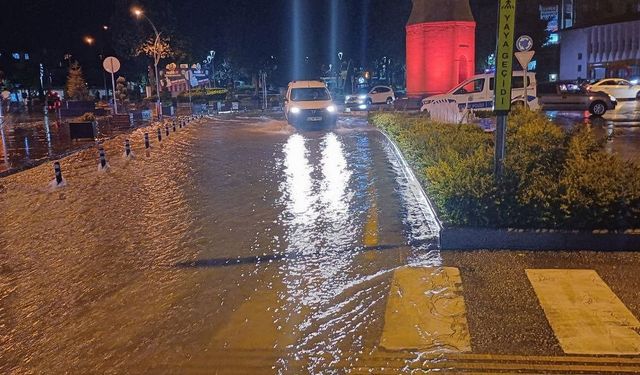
{"x":621,"y":127}
{"x":241,"y":246}
{"x":232,"y":239}
{"x":30,"y":139}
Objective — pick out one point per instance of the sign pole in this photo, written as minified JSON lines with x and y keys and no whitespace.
{"x":112,"y":65}
{"x":525,"y":79}
{"x":504,"y":73}
{"x":115,"y":101}
{"x":524,"y":58}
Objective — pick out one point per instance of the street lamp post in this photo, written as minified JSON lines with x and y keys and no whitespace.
{"x":210,"y":61}
{"x":105,"y":28}
{"x":156,"y":57}
{"x":89,"y":40}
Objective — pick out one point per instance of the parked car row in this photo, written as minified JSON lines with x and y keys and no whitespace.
{"x":310,"y":102}
{"x":477,"y":94}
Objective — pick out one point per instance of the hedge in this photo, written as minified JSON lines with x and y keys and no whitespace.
{"x":553,"y":179}
{"x":203,"y":95}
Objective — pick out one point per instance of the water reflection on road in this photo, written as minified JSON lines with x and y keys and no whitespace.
{"x":621,"y":126}
{"x":234,"y":242}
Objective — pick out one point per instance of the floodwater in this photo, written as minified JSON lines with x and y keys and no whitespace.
{"x":29,"y":139}
{"x":621,"y":127}
{"x":235,"y":243}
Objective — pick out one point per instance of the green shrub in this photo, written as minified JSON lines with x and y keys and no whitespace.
{"x":552,"y":179}
{"x":203,"y":95}
{"x":536,"y":150}
{"x":598,"y":189}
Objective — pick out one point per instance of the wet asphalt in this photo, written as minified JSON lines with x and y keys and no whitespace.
{"x":242,"y":245}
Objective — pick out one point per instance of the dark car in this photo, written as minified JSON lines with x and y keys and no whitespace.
{"x":571,"y":96}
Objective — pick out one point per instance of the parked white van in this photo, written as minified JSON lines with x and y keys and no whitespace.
{"x":477,"y":93}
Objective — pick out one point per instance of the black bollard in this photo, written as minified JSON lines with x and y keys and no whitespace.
{"x":58,"y":172}
{"x":174,"y":126}
{"x":180,"y":125}
{"x":159,"y":135}
{"x":146,"y":140}
{"x":127,"y":148}
{"x":166,"y":129}
{"x":103,"y":157}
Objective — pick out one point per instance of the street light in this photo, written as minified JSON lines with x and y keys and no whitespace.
{"x":156,"y":55}
{"x":89,"y":40}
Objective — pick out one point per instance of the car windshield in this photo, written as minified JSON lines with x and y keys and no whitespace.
{"x":310,"y":94}
{"x":363,"y":91}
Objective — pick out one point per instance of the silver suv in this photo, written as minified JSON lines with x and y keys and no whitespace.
{"x":569,"y":96}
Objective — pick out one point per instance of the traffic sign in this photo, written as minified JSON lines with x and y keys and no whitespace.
{"x":524,"y":43}
{"x":504,"y":55}
{"x":524,"y":58}
{"x":111,"y":65}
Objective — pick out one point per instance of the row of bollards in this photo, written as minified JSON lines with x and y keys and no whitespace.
{"x":103,"y":165}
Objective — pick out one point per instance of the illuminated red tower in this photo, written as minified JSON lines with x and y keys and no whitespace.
{"x":441,"y":46}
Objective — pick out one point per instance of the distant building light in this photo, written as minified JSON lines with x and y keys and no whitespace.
{"x":26,"y":56}
{"x":554,"y":38}
{"x":553,"y":77}
{"x":532,"y":65}
{"x":16,"y":56}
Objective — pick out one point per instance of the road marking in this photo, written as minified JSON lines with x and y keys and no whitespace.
{"x":585,"y":315}
{"x":253,"y":325}
{"x":371,"y":237}
{"x":426,"y":311}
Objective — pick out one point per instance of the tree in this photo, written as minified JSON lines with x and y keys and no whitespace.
{"x":158,"y":51}
{"x":76,"y":88}
{"x":122,"y":93}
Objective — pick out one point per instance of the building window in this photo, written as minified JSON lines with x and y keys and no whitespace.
{"x":579,"y":68}
{"x":16,"y":56}
{"x":580,"y":56}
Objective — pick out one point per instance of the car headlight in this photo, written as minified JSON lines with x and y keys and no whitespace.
{"x":612,"y":98}
{"x":294,"y":110}
{"x":362,"y":97}
{"x":332,"y":109}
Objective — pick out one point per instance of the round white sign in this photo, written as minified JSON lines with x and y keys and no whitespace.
{"x":111,"y":64}
{"x":524,"y":43}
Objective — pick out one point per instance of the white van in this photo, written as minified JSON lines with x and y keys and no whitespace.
{"x":477,"y":93}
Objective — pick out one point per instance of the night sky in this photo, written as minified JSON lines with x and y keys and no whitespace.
{"x":248,"y":31}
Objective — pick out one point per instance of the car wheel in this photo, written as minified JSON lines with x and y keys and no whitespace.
{"x":389,"y":100}
{"x":598,"y":108}
{"x":369,"y":102}
{"x":638,"y":96}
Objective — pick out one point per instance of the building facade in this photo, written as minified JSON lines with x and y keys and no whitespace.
{"x":604,"y":42}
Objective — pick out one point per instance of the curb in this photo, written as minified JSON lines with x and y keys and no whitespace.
{"x":427,"y":207}
{"x":541,"y":240}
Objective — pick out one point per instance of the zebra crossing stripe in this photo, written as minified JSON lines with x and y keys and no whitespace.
{"x":426,"y":311}
{"x":585,"y":315}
